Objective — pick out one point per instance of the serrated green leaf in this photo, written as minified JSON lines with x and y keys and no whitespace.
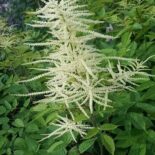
{"x":2,"y":141}
{"x":91,"y":133}
{"x":149,"y":94}
{"x":51,"y":117}
{"x":138,"y":120}
{"x":85,"y":145}
{"x":2,"y":110}
{"x":145,"y":85}
{"x":137,"y":26}
{"x":74,"y":151}
{"x":18,"y":123}
{"x":138,"y":149}
{"x":54,"y":146}
{"x":31,"y":128}
{"x":108,"y":126}
{"x":19,"y":152}
{"x":19,"y":143}
{"x":108,"y":143}
{"x":39,"y":107}
{"x":151,"y":136}
{"x":59,"y":151}
{"x":146,"y":107}
{"x":31,"y":144}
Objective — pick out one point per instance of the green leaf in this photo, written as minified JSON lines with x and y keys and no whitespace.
{"x":54,"y":146}
{"x":108,"y":143}
{"x":7,"y":105}
{"x":146,"y":107}
{"x":125,"y":143}
{"x":138,"y":120}
{"x":2,"y":110}
{"x":149,"y":94}
{"x":85,"y":145}
{"x":2,"y":141}
{"x":39,"y":107}
{"x":18,"y":123}
{"x":67,"y":139}
{"x":19,"y":143}
{"x":60,"y":151}
{"x":51,"y":117}
{"x":31,"y":144}
{"x":137,"y":26}
{"x":27,"y":102}
{"x":19,"y":152}
{"x":145,"y":85}
{"x":80,"y":117}
{"x":4,"y":120}
{"x":151,"y":136}
{"x":108,"y":126}
{"x":138,"y":149}
{"x":74,"y":151}
{"x":91,"y":133}
{"x":31,"y":128}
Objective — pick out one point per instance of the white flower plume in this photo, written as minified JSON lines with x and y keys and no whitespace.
{"x":75,"y":72}
{"x":66,"y":125}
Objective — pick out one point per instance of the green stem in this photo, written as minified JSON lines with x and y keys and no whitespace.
{"x":101,"y":148}
{"x":99,"y":139}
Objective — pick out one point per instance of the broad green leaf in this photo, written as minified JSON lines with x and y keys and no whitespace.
{"x":108,"y":126}
{"x":2,"y":110}
{"x":19,"y":152}
{"x":54,"y":146}
{"x":124,"y":143}
{"x":2,"y":141}
{"x":31,"y":144}
{"x":151,"y":136}
{"x":149,"y":94}
{"x":146,"y":107}
{"x":80,"y":117}
{"x":74,"y":151}
{"x":145,"y":85}
{"x":39,"y":107}
{"x":138,"y":149}
{"x":137,"y":26}
{"x":126,"y":39}
{"x":51,"y":117}
{"x":91,"y":133}
{"x":39,"y":116}
{"x":59,"y":151}
{"x":85,"y":145}
{"x":26,"y":103}
{"x":18,"y":123}
{"x":19,"y":143}
{"x":4,"y":120}
{"x":31,"y":128}
{"x":7,"y":105}
{"x":108,"y":143}
{"x":138,"y":120}
{"x":67,"y":139}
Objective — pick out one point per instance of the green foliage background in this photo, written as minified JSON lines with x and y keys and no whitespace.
{"x":127,"y":129}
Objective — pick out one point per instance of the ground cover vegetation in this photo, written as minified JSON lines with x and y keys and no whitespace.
{"x":125,"y":128}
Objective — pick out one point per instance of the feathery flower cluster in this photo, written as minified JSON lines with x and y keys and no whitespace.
{"x":66,"y":125}
{"x":73,"y":75}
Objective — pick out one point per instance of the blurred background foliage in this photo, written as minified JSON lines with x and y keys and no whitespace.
{"x":127,"y":129}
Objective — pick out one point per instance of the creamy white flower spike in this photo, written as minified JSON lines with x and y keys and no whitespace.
{"x":123,"y":75}
{"x":77,"y":75}
{"x":65,"y":125}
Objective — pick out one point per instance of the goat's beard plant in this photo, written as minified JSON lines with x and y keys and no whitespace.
{"x":79,"y":76}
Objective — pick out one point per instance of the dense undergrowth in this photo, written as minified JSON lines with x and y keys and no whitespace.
{"x":127,"y":128}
